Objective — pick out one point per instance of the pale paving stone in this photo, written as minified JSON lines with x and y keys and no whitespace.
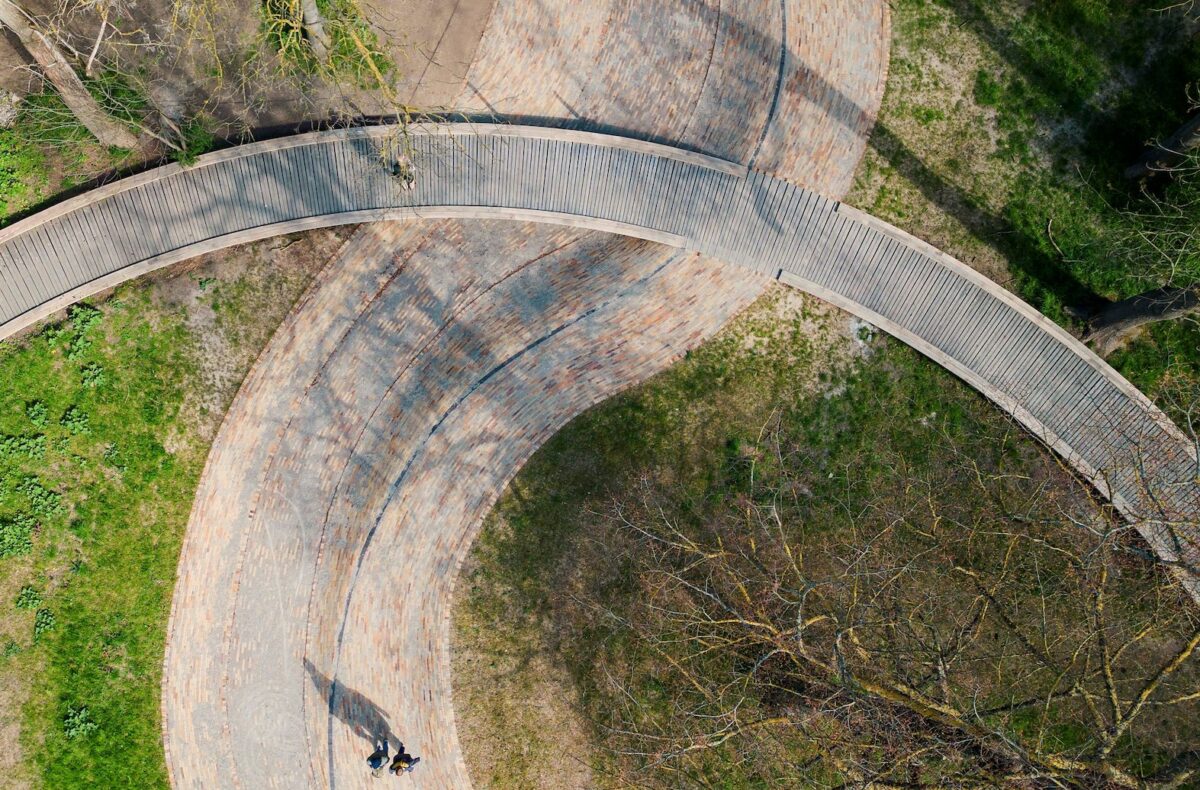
{"x":407,"y":427}
{"x":280,"y":513}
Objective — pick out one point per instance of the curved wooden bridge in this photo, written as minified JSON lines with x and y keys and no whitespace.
{"x":340,"y":498}
{"x":1031,"y":368}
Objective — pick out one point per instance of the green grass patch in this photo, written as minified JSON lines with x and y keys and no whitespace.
{"x":46,"y":150}
{"x":93,"y":389}
{"x":106,"y":418}
{"x":354,"y":53}
{"x":1023,"y":167}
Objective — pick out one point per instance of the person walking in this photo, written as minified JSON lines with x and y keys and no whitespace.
{"x":378,"y":760}
{"x":403,"y":762}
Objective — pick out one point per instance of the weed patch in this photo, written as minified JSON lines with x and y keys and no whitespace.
{"x":28,"y":598}
{"x":78,"y":722}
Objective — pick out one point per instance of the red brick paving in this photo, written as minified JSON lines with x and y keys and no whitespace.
{"x":388,"y":413}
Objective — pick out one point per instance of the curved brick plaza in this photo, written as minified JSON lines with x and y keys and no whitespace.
{"x":551,"y":269}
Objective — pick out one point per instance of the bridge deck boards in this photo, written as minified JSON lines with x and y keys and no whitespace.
{"x":1010,"y":352}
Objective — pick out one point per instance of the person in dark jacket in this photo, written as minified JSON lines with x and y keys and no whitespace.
{"x":378,"y":760}
{"x":403,"y":762}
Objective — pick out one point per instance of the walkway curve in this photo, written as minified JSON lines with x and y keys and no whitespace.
{"x":358,"y":460}
{"x":1062,"y":392}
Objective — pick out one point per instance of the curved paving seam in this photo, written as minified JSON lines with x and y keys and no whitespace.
{"x":625,"y":71}
{"x":536,"y":58}
{"x":780,"y":74}
{"x":1018,"y":358}
{"x":511,"y":414}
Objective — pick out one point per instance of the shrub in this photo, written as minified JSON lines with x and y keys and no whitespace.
{"x":32,"y":446}
{"x":42,"y":501}
{"x":37,"y":413}
{"x":28,"y":598}
{"x":43,"y":621}
{"x":78,"y":722}
{"x":82,"y":317}
{"x":93,"y":375}
{"x":76,"y":421}
{"x":16,"y":535}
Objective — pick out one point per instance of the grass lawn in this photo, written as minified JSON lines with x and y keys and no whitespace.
{"x":45,"y":153}
{"x":94,"y":507}
{"x":105,"y":423}
{"x":551,"y":600}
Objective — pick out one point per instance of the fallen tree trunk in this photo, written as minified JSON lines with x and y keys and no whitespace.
{"x":1109,"y":329}
{"x":58,"y":70}
{"x":1160,"y":157}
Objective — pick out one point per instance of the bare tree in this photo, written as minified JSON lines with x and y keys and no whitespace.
{"x":1165,"y":155}
{"x":1157,"y":241}
{"x":58,"y":70}
{"x":1020,"y":637}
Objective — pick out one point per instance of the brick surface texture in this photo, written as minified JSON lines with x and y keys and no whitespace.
{"x":430,"y":360}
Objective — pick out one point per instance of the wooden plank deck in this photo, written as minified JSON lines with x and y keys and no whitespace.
{"x":1018,"y":358}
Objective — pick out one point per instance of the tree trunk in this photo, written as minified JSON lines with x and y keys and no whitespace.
{"x":1161,"y":156}
{"x":314,"y":29}
{"x":1109,"y":329}
{"x":106,"y":129}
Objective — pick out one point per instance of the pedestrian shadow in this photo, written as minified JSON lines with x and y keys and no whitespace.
{"x":364,"y":717}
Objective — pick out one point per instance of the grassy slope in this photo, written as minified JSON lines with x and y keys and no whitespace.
{"x":1002,"y":138}
{"x":104,"y":562}
{"x":534,"y":577}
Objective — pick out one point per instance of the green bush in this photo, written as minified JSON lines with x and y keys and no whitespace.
{"x":16,"y":535}
{"x":83,"y":317}
{"x":93,"y":375}
{"x":37,"y":413}
{"x":31,"y":446}
{"x":43,"y":621}
{"x":28,"y":598}
{"x":42,"y":501}
{"x":76,"y":421}
{"x":78,"y":722}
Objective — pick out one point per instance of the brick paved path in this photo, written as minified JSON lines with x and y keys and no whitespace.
{"x":387,"y":415}
{"x":361,"y":454}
